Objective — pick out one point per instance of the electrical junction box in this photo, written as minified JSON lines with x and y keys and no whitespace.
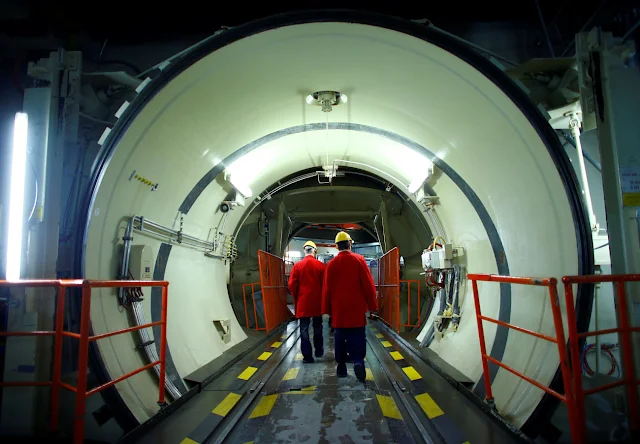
{"x":141,"y":262}
{"x":439,"y":259}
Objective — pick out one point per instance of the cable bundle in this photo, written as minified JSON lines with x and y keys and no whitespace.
{"x":586,"y":368}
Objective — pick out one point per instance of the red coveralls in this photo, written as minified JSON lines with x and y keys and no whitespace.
{"x":348,"y":293}
{"x":305,"y":284}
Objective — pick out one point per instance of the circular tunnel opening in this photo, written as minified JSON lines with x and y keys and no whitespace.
{"x":378,"y":215}
{"x":502,"y":189}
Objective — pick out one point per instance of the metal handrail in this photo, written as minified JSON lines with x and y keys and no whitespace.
{"x":625,"y":330}
{"x":83,"y":356}
{"x":559,"y":340}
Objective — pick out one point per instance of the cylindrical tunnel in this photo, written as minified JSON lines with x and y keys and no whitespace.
{"x":236,"y":104}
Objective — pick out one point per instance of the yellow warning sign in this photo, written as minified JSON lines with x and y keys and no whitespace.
{"x":631,"y":199}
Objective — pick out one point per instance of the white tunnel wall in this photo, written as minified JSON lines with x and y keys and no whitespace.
{"x":396,"y":83}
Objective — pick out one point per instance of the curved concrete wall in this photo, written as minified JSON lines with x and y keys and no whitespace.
{"x":243,"y":107}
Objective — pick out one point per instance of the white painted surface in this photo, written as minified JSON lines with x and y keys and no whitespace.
{"x":395,"y":82}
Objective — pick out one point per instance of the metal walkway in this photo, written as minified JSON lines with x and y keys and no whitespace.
{"x":271,"y":396}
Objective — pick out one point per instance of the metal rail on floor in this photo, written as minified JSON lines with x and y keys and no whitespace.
{"x":252,"y":394}
{"x":83,"y":357}
{"x":429,"y":436}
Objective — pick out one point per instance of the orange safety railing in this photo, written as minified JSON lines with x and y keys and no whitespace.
{"x":255,"y":309}
{"x":389,"y":288}
{"x":409,"y":324}
{"x":83,"y":354}
{"x":551,"y":284}
{"x":274,"y":290}
{"x":625,"y":331}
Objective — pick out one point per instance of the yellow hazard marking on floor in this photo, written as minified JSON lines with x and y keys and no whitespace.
{"x":264,"y":406}
{"x":396,"y":356}
{"x":467,"y":442}
{"x":284,"y":336}
{"x":412,"y":373}
{"x":250,"y":442}
{"x":276,"y":344}
{"x":379,"y":335}
{"x":304,"y":391}
{"x":188,"y":441}
{"x":299,"y":357}
{"x":429,"y":406}
{"x":292,"y":373}
{"x":386,"y":344}
{"x":369,"y":374}
{"x":264,"y":356}
{"x":389,"y":407}
{"x":247,"y":373}
{"x":227,"y":404}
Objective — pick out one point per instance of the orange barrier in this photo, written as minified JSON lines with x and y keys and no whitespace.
{"x":255,"y":310}
{"x":389,"y":288}
{"x":625,"y":331}
{"x":274,"y":290}
{"x":409,"y":324}
{"x":83,"y":353}
{"x":551,"y":284}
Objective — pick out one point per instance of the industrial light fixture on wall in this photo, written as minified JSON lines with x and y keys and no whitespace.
{"x":239,"y":186}
{"x":16,"y":197}
{"x":420,"y":179}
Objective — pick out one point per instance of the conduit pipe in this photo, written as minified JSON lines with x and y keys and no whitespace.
{"x":575,"y":129}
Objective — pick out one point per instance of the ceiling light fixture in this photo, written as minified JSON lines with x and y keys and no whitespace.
{"x":326,"y":99}
{"x":16,"y":197}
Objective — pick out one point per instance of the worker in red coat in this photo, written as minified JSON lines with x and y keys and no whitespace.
{"x":305,"y":284}
{"x":348,"y":293}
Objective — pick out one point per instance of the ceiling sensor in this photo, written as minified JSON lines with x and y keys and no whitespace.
{"x":326,"y":99}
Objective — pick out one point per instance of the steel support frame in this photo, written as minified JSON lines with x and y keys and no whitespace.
{"x":615,"y":83}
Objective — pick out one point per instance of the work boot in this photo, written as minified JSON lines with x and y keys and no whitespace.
{"x":360,"y":372}
{"x":319,"y":353}
{"x":341,"y":371}
{"x":308,"y":360}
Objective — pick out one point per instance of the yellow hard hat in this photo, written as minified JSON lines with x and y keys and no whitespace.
{"x":343,"y":236}
{"x":310,"y":244}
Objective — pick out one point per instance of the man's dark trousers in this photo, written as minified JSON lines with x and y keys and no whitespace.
{"x":318,"y":341}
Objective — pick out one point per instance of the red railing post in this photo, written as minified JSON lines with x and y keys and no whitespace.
{"x":419,"y":312}
{"x":409,"y":304}
{"x":244,"y":298}
{"x":57,"y":358}
{"x":627,"y":358}
{"x":255,"y":309}
{"x":83,"y":364}
{"x":576,"y":367}
{"x":574,"y":424}
{"x":483,"y":345}
{"x":163,"y":344}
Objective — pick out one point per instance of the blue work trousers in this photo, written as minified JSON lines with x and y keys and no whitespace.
{"x":350,"y":341}
{"x":318,"y":341}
